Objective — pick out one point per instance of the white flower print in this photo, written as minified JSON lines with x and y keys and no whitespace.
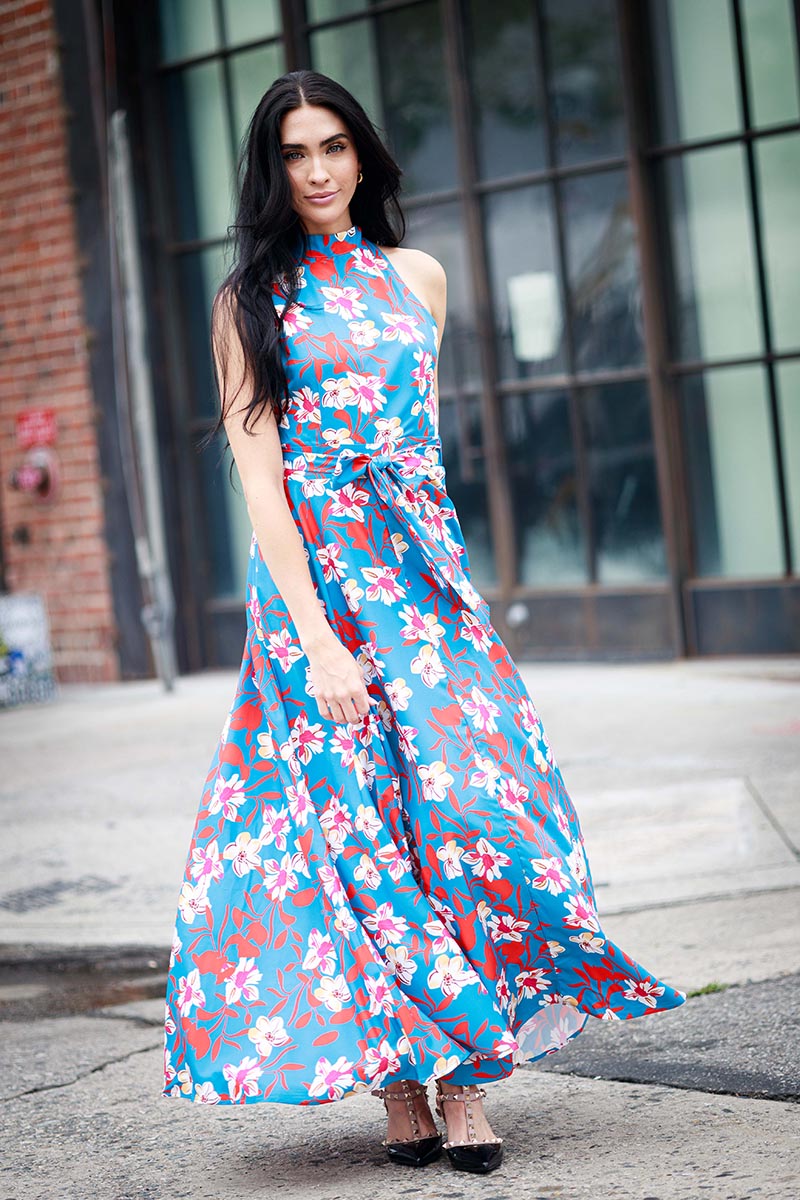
{"x":344,"y":922}
{"x":333,"y":992}
{"x":532,"y":982}
{"x":306,"y":740}
{"x":428,"y":665}
{"x":386,"y":926}
{"x":581,"y":913}
{"x":420,"y":627}
{"x":331,"y":1079}
{"x":267,"y":1033}
{"x":450,"y":974}
{"x":435,"y":779}
{"x":228,"y":796}
{"x":332,"y":563}
{"x":391,"y":857}
{"x":367,"y":821}
{"x":244,"y":854}
{"x":337,"y":822}
{"x":399,"y":693}
{"x":243,"y":981}
{"x":367,"y":873}
{"x":576,"y":862}
{"x":382,"y":584}
{"x":242,"y":1080}
{"x":403,"y":327}
{"x":589,"y":942}
{"x":306,"y":406}
{"x":474,"y":631}
{"x":406,"y":736}
{"x":321,"y":954}
{"x":283,"y":649}
{"x":486,"y":774}
{"x":192,"y":900}
{"x":449,"y":856}
{"x":486,"y":860}
{"x":368,"y":261}
{"x":401,"y":962}
{"x":266,"y":745}
{"x":482,"y":710}
{"x":276,"y":826}
{"x":550,"y":877}
{"x":299,"y":803}
{"x":348,"y":501}
{"x":382,"y":1062}
{"x":206,"y":1093}
{"x":646,"y":991}
{"x":206,"y":864}
{"x":352,"y":594}
{"x":507,"y":928}
{"x":364,"y":333}
{"x":190,"y":993}
{"x":380,"y":995}
{"x":281,"y":877}
{"x":295,"y":320}
{"x":512,"y":794}
{"x":344,"y":302}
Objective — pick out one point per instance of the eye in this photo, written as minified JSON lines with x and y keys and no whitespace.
{"x":287,"y":157}
{"x":340,"y":145}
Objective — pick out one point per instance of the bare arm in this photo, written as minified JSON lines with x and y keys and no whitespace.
{"x":338,"y":683}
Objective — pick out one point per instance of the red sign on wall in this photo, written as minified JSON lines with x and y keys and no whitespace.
{"x":36,"y":427}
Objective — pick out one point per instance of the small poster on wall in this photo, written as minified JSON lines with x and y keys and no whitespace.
{"x":26,"y":659}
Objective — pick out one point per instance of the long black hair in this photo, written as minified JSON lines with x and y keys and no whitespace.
{"x":267,"y":232}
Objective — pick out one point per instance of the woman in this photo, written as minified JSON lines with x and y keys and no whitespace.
{"x":386,"y":883}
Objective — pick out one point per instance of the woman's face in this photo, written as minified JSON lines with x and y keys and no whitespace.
{"x":321,"y":160}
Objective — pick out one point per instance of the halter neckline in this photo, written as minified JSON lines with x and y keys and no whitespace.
{"x":329,"y":241}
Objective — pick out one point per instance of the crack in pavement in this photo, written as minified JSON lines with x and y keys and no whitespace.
{"x":67,"y":1083}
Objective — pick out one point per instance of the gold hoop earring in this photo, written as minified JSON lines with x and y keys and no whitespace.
{"x":360,"y":176}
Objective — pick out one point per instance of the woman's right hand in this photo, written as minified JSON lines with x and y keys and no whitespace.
{"x":339,"y":687}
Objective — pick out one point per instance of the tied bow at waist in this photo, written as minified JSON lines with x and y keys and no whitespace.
{"x":397,"y":477}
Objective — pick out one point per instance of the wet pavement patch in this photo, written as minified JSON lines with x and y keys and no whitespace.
{"x":25,"y":900}
{"x":35,"y":986}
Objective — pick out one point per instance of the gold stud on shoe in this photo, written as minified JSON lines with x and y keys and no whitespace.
{"x":415,"y":1151}
{"x":470,"y":1155}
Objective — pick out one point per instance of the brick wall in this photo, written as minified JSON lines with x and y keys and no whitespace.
{"x":59,"y":549}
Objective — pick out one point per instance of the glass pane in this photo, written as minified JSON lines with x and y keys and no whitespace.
{"x":252,"y":72}
{"x":227,"y":526}
{"x":187,"y":28}
{"x":603,"y":268}
{"x":509,"y":133}
{"x":717,"y":311}
{"x":622,"y":481}
{"x":461,"y":433}
{"x":585,"y":82}
{"x":788,"y":379}
{"x":199,"y":277}
{"x":551,"y":548}
{"x":694,"y":48}
{"x":326,"y":10}
{"x":771,"y":56}
{"x":523,"y":265}
{"x":778,"y":170}
{"x":394,"y":64}
{"x":733,"y":483}
{"x":438,"y":229}
{"x":247,"y":20}
{"x":202,"y":170}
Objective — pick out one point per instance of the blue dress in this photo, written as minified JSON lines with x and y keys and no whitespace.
{"x":407,"y":895}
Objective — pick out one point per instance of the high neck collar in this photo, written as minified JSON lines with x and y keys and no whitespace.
{"x":350,"y":238}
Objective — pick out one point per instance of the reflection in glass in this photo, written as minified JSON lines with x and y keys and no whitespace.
{"x":394,"y":64}
{"x":460,"y":429}
{"x":200,"y":151}
{"x":585,"y":82}
{"x":778,"y":171}
{"x":622,"y":480}
{"x":509,"y":133}
{"x":199,"y":276}
{"x":551,"y":548}
{"x":328,"y":10}
{"x":248,"y":20}
{"x":698,"y":90}
{"x":732,"y":475}
{"x":603,"y":267}
{"x":252,"y":72}
{"x":439,"y":231}
{"x":787,"y":375}
{"x":227,"y":525}
{"x":712,"y":255}
{"x":187,"y":28}
{"x":523,"y":264}
{"x":771,"y":57}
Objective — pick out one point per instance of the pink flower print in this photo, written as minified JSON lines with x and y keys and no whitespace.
{"x":228,"y":796}
{"x":283,"y":649}
{"x":332,"y":563}
{"x":428,"y":665}
{"x":295,"y":320}
{"x":254,"y":605}
{"x":551,"y":877}
{"x":205,"y":1093}
{"x":367,"y":873}
{"x":206,"y":864}
{"x":482,"y":710}
{"x":576,"y":861}
{"x":275,"y":827}
{"x":505,"y":1044}
{"x":449,"y":856}
{"x":381,"y":1062}
{"x":332,"y":884}
{"x":581,"y":913}
{"x":381,"y":997}
{"x":367,"y":821}
{"x":333,"y":992}
{"x":401,"y":962}
{"x":192,"y":900}
{"x":267,"y":1033}
{"x":506,"y":928}
{"x":331,"y":1079}
{"x":343,"y":742}
{"x":299,"y":801}
{"x":406,"y":735}
{"x":344,"y":302}
{"x":367,"y":392}
{"x":435,"y":779}
{"x":281,"y":877}
{"x":486,"y":860}
{"x":422,"y":373}
{"x":474,"y":631}
{"x":367,"y":260}
{"x":589,"y":942}
{"x":403,"y":327}
{"x":439,"y":934}
{"x":450,"y":974}
{"x":420,"y":627}
{"x":243,"y":854}
{"x":336,"y":822}
{"x":349,"y":501}
{"x":560,"y":816}
{"x":344,"y":922}
{"x":242,"y":1080}
{"x":242,"y":984}
{"x":382,"y":584}
{"x":486,"y":774}
{"x":533,"y":982}
{"x":190,"y":993}
{"x":321,"y":954}
{"x":364,"y":334}
{"x":306,"y":406}
{"x":387,"y":927}
{"x":391,"y":857}
{"x":560,"y":1034}
{"x":646,"y":991}
{"x":306,"y":739}
{"x":512,"y":794}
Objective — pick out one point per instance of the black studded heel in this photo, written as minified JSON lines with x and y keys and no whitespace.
{"x":415,"y":1151}
{"x":471,"y":1155}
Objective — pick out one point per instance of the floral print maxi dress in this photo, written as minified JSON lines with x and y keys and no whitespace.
{"x":405,"y":896}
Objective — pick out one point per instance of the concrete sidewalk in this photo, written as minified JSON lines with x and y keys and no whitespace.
{"x":687,"y":779}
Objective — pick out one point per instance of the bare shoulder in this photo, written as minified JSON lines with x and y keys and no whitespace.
{"x":424,"y":275}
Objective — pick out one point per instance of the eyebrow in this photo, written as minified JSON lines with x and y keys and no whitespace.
{"x":335,"y":137}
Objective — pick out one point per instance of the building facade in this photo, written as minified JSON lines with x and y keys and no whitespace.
{"x":612,"y":187}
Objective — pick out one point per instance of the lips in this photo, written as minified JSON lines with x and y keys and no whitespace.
{"x":321,"y":196}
